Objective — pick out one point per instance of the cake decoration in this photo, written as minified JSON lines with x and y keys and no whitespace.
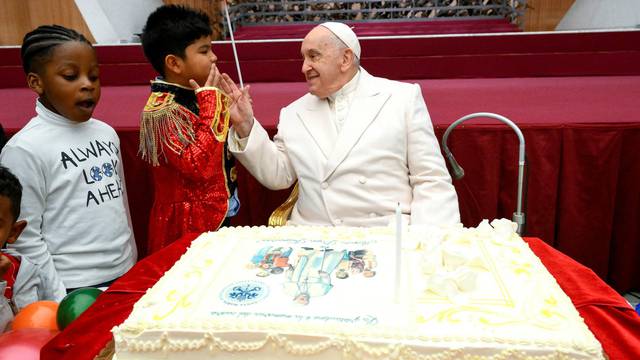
{"x":244,"y":292}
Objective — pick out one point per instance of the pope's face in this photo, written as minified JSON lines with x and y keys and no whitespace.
{"x":322,"y":62}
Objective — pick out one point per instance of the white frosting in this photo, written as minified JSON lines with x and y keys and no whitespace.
{"x":465,"y":294}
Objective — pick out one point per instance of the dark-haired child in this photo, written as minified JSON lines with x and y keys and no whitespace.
{"x":184,"y":128}
{"x":74,"y":197}
{"x":20,"y":280}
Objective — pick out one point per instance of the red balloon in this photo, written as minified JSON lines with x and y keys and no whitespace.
{"x":24,"y":344}
{"x":40,"y":315}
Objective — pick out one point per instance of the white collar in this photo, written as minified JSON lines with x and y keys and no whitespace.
{"x":347,"y":89}
{"x":50,"y":116}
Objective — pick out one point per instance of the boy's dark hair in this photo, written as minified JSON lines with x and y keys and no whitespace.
{"x":169,"y":30}
{"x":11,"y":188}
{"x":38,"y":45}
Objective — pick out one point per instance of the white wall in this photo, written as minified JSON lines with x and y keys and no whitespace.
{"x":116,"y":21}
{"x":601,"y":14}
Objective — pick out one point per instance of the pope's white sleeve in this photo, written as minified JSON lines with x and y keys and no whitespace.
{"x":434,"y":198}
{"x":266,"y":160}
{"x":236,"y":143}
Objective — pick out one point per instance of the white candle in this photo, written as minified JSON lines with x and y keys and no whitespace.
{"x":398,"y":252}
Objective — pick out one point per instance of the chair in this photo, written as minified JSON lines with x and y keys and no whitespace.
{"x":280,"y":215}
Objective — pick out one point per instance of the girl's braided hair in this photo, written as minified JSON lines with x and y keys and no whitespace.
{"x":38,"y":45}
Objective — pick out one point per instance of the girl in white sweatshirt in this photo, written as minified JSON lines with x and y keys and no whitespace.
{"x":74,"y":197}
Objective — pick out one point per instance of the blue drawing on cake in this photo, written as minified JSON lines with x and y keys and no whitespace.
{"x":244,"y":293}
{"x":308,"y":271}
{"x":271,"y":260}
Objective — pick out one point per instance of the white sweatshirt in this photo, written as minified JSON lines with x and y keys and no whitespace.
{"x":74,"y":200}
{"x":6,"y":313}
{"x":29,"y":281}
{"x":27,"y":288}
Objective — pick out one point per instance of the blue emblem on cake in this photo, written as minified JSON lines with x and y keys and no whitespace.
{"x":244,"y":292}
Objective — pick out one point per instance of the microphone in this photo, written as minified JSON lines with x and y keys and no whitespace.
{"x":458,"y":171}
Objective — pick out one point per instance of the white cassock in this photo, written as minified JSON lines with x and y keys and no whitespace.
{"x":385,"y":153}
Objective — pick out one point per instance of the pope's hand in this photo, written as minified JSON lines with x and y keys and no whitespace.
{"x":241,"y":108}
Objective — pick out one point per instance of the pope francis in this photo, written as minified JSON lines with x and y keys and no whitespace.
{"x":357,"y":144}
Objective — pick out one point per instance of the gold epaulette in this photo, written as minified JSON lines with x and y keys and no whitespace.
{"x":161,"y":118}
{"x":158,"y":101}
{"x":220,"y":125}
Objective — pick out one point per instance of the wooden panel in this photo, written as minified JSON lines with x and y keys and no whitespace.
{"x":17,"y":17}
{"x":210,"y":7}
{"x":14,"y":22}
{"x":544,"y":15}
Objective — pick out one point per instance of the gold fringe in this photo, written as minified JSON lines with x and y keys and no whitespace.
{"x":156,"y":130}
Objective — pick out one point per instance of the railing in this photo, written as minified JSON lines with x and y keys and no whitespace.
{"x":316,"y":11}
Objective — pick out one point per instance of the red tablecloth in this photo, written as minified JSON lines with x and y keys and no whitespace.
{"x":610,"y":318}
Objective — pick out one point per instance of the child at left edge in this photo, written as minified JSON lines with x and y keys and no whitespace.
{"x":20,"y":279}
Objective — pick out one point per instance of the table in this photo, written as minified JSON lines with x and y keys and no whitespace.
{"x":614,"y":323}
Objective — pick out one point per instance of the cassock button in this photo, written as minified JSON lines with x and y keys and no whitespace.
{"x":324,"y":185}
{"x":362,"y":180}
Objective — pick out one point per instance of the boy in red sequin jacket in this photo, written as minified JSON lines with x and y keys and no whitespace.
{"x":184,"y":127}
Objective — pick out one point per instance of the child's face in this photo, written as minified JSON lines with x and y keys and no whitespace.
{"x":9,"y":228}
{"x":197,"y":60}
{"x":69,"y":82}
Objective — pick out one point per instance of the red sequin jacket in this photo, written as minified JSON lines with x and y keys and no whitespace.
{"x":183,"y":135}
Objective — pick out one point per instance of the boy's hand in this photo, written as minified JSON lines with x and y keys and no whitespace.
{"x":241,"y":108}
{"x":213,"y":79}
{"x":5,"y":264}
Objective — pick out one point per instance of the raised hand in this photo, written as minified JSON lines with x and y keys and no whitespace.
{"x":241,"y":107}
{"x":213,"y":79}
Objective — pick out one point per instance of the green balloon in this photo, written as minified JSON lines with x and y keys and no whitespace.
{"x":74,"y":304}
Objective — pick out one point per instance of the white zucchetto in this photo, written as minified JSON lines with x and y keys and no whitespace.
{"x":344,"y":33}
